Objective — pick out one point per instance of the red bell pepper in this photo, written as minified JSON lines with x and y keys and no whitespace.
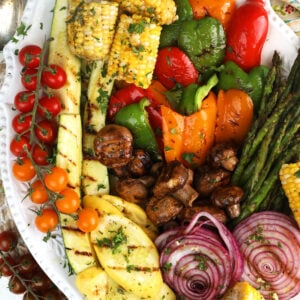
{"x":247,"y":33}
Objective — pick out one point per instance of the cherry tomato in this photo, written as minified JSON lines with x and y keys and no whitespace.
{"x":88,"y":219}
{"x":16,"y":286}
{"x":46,"y":131}
{"x":247,"y":33}
{"x":21,"y":122}
{"x":68,"y":201}
{"x":54,"y":76}
{"x":38,"y":193}
{"x":41,"y":154}
{"x":29,"y":56}
{"x":40,"y":282}
{"x":53,"y":294}
{"x":47,"y":220}
{"x":49,"y":107}
{"x":8,"y":240}
{"x":26,"y":264}
{"x":23,"y":169}
{"x":18,"y":145}
{"x":5,"y":268}
{"x":29,"y":79}
{"x":174,"y":66}
{"x":24,"y":101}
{"x":56,"y":180}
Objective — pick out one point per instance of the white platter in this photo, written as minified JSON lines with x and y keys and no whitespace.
{"x":50,"y":255}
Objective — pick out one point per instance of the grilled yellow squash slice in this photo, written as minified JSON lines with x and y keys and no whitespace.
{"x":127,"y":255}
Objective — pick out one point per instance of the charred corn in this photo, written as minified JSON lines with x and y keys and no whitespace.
{"x":162,"y":11}
{"x":290,"y":180}
{"x":134,"y":50}
{"x":90,"y":29}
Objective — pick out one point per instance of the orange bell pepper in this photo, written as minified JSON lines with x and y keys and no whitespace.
{"x":158,"y":90}
{"x":235,"y":116}
{"x":222,"y":10}
{"x":189,"y":138}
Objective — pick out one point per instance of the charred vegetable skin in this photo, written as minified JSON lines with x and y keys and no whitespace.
{"x":203,"y":40}
{"x":205,"y":50}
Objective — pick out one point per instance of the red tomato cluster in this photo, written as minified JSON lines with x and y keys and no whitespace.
{"x":34,"y":124}
{"x":25,"y":275}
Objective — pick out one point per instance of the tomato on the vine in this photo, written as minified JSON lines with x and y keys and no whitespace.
{"x":19,"y":144}
{"x":41,"y":154}
{"x":40,"y":282}
{"x":23,"y":169}
{"x":68,"y":201}
{"x":26,"y":264}
{"x":8,"y":240}
{"x":46,"y":131}
{"x":38,"y":193}
{"x":49,"y":106}
{"x":56,"y":180}
{"x":16,"y":286}
{"x":54,"y":76}
{"x":24,"y":101}
{"x":29,"y":79}
{"x":29,"y":56}
{"x":88,"y":219}
{"x":21,"y":122}
{"x":46,"y":220}
{"x":5,"y":269}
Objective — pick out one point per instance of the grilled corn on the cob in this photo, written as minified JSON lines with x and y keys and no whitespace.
{"x":134,"y":50}
{"x":91,"y":29}
{"x":290,"y":179}
{"x":162,"y":11}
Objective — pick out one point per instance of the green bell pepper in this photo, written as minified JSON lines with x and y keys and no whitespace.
{"x":169,"y":34}
{"x":193,"y":95}
{"x":204,"y":41}
{"x":187,"y":100}
{"x":135,"y":117}
{"x":231,"y":76}
{"x":184,"y":10}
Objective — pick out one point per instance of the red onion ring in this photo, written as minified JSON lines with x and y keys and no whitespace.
{"x":270,"y":244}
{"x":200,"y":260}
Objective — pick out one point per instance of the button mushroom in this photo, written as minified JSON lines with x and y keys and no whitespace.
{"x":229,"y":198}
{"x":175,"y":179}
{"x":223,"y":155}
{"x":140,"y":163}
{"x":113,"y":145}
{"x":132,"y":190}
{"x":161,"y":211}
{"x":207,"y":179}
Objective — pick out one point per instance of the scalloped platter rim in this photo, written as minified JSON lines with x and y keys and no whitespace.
{"x":38,"y":15}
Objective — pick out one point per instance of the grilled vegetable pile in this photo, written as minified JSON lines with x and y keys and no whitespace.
{"x":169,"y":134}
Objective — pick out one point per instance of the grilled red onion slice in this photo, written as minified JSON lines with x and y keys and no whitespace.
{"x":201,"y":260}
{"x":270,"y":244}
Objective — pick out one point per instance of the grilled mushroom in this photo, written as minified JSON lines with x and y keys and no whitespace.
{"x":175,"y":179}
{"x":223,"y":155}
{"x":113,"y":145}
{"x":161,"y":211}
{"x":228,"y":197}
